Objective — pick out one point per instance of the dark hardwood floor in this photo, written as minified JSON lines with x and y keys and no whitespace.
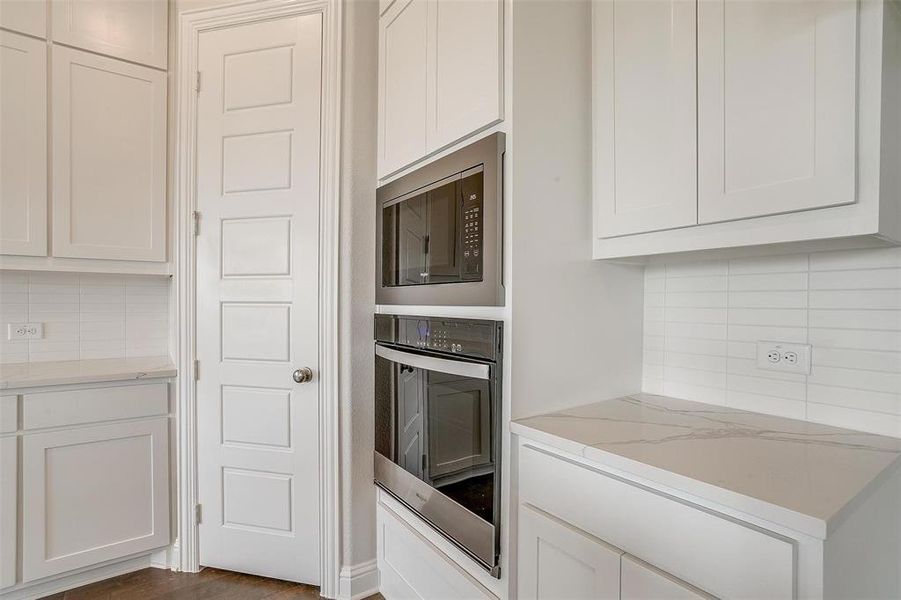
{"x":209,"y":584}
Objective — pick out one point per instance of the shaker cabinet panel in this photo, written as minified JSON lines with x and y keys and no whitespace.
{"x":25,"y":16}
{"x":109,"y":158}
{"x":558,"y":561}
{"x":644,"y":116}
{"x":23,"y":145}
{"x":93,"y":494}
{"x":641,"y":581}
{"x":8,"y":499}
{"x":402,"y":84}
{"x":465,"y":76}
{"x":135,"y":31}
{"x":777,"y":84}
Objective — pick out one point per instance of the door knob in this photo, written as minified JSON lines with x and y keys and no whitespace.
{"x":303,"y":375}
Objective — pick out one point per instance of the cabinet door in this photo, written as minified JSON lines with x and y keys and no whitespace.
{"x":641,"y":581}
{"x":23,"y":145}
{"x":557,"y":560}
{"x":644,"y":115}
{"x":135,"y":30}
{"x":26,"y":16}
{"x":93,"y":494}
{"x":8,"y":475}
{"x":402,"y":84}
{"x":109,"y":158}
{"x":777,"y":85}
{"x":465,"y":75}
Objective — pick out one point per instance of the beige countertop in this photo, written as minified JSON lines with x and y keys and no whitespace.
{"x":36,"y":374}
{"x":802,"y":475}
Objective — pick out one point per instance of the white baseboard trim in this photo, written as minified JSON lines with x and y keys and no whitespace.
{"x":60,"y":583}
{"x":359,"y":581}
{"x":166,"y":558}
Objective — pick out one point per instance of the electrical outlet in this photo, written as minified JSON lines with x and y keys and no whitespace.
{"x":783,"y":356}
{"x":25,"y":331}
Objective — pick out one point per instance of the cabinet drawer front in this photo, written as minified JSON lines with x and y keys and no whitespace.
{"x":71,"y":407}
{"x":411,"y":567}
{"x":9,"y":413}
{"x":713,"y":553}
{"x":93,"y":494}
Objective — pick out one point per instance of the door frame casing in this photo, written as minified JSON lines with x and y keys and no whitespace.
{"x":190,"y":25}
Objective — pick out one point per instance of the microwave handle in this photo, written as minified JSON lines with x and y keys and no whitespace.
{"x":430,"y":363}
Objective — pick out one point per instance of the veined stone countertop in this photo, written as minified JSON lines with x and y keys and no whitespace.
{"x":798,"y":474}
{"x":36,"y":374}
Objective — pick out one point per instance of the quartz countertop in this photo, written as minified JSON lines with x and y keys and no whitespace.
{"x":36,"y":374}
{"x":798,"y":474}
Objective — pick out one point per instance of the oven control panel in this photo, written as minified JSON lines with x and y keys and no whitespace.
{"x":466,"y":337}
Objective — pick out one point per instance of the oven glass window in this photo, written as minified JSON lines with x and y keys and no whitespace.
{"x":440,"y":432}
{"x":421,"y":238}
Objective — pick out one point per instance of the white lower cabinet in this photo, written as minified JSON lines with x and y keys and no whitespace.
{"x":412,"y":568}
{"x":8,"y":496}
{"x":92,"y":494}
{"x":556,"y":560}
{"x":641,"y":581}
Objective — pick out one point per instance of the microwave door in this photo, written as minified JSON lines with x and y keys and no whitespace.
{"x":413,"y":240}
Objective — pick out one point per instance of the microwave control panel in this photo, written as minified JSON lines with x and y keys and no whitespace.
{"x":473,"y":221}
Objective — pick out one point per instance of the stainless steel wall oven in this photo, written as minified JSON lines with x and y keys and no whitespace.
{"x":437,"y":425}
{"x":440,"y":231}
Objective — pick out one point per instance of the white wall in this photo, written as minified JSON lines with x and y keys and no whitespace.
{"x":85,"y":316}
{"x":357,"y":282}
{"x":576,"y":323}
{"x":702,"y":321}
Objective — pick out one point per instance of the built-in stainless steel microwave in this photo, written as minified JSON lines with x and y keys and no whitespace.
{"x":440,"y":231}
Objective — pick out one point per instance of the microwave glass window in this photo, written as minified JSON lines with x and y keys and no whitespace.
{"x":434,"y":237}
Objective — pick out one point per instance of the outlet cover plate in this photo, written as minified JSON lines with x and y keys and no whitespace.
{"x":25,"y":331}
{"x":783,"y":356}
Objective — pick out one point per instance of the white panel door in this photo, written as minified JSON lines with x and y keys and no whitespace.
{"x":777,"y":84}
{"x":9,"y":469}
{"x":641,"y":581}
{"x":258,"y":192}
{"x":134,"y":30}
{"x":403,"y":35}
{"x":93,"y":494}
{"x":558,"y":561}
{"x":26,"y":16}
{"x":23,"y":145}
{"x":644,"y":115}
{"x":109,"y":158}
{"x":465,"y":75}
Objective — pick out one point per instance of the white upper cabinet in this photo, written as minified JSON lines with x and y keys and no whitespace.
{"x":440,"y":76}
{"x":25,"y":16}
{"x":776,"y":107}
{"x":464,"y":88}
{"x":403,"y":33}
{"x":109,"y":158}
{"x":135,"y":30}
{"x":723,"y":124}
{"x":23,"y":145}
{"x":644,"y":115}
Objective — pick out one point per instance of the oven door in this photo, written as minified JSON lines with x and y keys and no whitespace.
{"x":436,"y":444}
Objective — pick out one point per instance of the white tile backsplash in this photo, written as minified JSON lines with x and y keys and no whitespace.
{"x":702,"y":321}
{"x":85,"y":315}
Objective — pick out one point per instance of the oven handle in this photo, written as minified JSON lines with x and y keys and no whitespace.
{"x":430,"y":363}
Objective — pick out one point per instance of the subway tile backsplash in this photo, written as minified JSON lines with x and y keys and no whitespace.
{"x":702,"y":321}
{"x":84,"y":315}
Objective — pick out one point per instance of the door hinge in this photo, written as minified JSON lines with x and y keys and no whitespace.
{"x":196,"y":370}
{"x":198,"y":513}
{"x":197,"y":83}
{"x":196,"y":216}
